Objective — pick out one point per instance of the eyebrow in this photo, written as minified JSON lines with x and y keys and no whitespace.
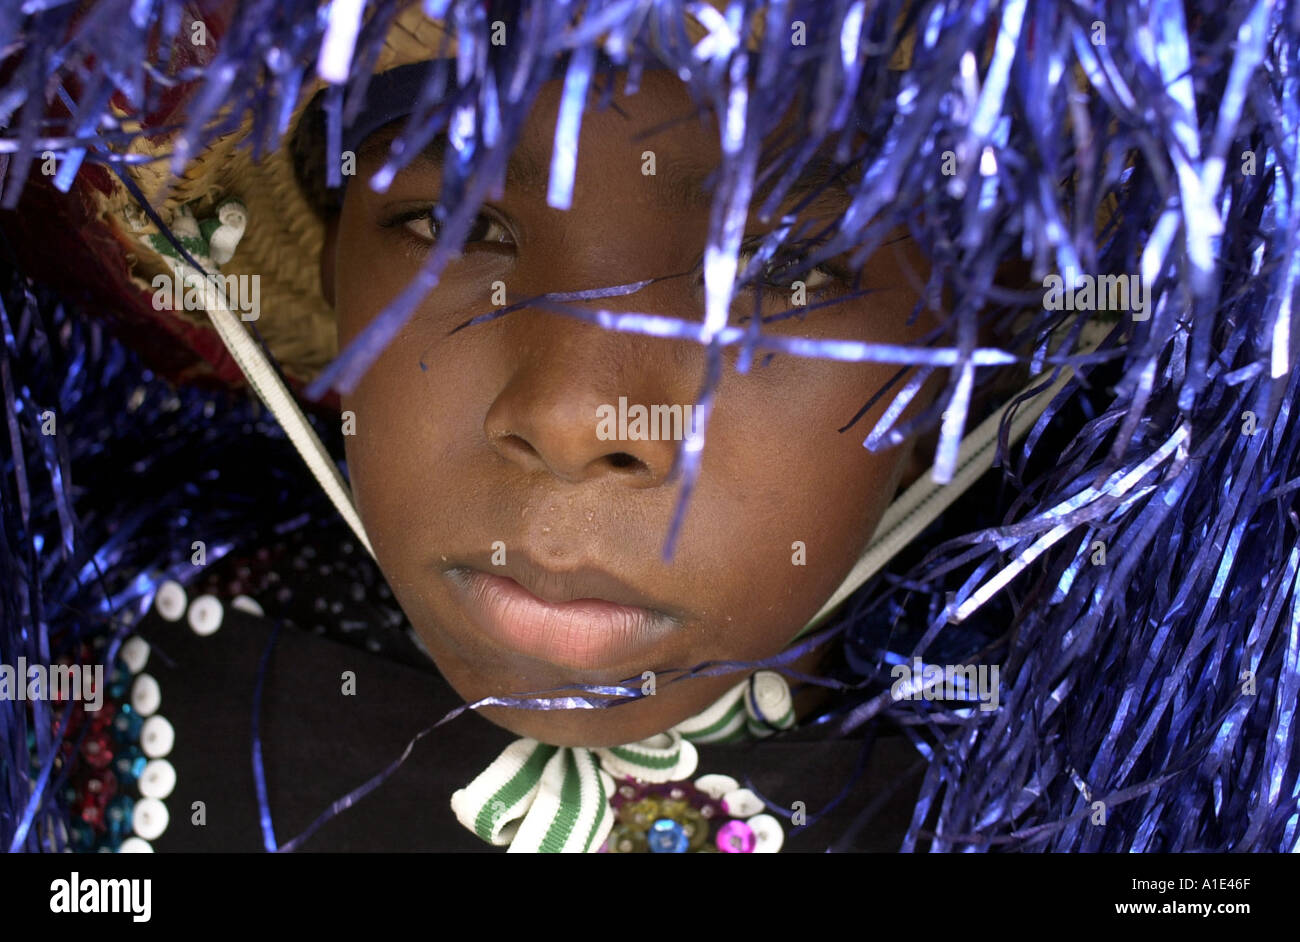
{"x":680,"y":184}
{"x":684,"y":185}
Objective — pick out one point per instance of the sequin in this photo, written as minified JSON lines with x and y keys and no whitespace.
{"x":667,"y":837}
{"x":128,"y":765}
{"x":626,"y":840}
{"x":118,"y":819}
{"x":127,"y":723}
{"x":640,"y":814}
{"x":97,"y":751}
{"x":768,"y":834}
{"x":81,"y":836}
{"x":157,"y":737}
{"x":205,"y":615}
{"x":673,"y":809}
{"x":715,"y":786}
{"x":735,"y":837}
{"x":742,"y":803}
{"x":170,"y":600}
{"x":696,"y":827}
{"x":158,"y":779}
{"x":149,"y":818}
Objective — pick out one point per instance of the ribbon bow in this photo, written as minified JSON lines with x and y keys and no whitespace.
{"x":537,"y":797}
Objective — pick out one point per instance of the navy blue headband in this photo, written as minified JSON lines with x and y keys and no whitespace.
{"x":389,"y":96}
{"x":392,"y":95}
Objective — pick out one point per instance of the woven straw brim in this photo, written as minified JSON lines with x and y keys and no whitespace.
{"x":284,"y":236}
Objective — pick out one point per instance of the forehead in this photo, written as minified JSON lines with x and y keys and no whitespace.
{"x":660,"y":108}
{"x":658,"y":122}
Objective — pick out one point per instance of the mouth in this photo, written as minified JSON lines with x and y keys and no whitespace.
{"x":580,"y":620}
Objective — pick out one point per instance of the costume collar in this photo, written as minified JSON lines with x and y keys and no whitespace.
{"x":558,"y":799}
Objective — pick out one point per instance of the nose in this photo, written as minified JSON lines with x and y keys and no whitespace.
{"x":559,"y":412}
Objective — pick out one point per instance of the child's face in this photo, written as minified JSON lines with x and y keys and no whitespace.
{"x":493,"y":449}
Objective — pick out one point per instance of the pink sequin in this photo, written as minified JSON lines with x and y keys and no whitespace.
{"x":736,"y":837}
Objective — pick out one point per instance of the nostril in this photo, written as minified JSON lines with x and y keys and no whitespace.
{"x":621,"y":459}
{"x":517,"y":444}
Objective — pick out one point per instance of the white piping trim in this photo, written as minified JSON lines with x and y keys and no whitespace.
{"x":271,"y":390}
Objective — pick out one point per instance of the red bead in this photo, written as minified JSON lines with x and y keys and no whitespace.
{"x":92,"y":814}
{"x":103,"y":717}
{"x":96,"y":751}
{"x":101,"y":786}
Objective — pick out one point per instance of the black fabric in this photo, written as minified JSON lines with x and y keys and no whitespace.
{"x":318,"y":744}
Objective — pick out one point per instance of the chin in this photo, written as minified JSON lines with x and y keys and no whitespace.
{"x":615,"y":725}
{"x":479,"y":673}
{"x":602,"y":727}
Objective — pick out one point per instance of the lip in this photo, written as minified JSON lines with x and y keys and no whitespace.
{"x":582,"y":619}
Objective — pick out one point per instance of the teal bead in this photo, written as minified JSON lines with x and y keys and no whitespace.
{"x":117,"y":817}
{"x":81,"y":837}
{"x":128,"y":765}
{"x":127,"y":723}
{"x":122,"y":769}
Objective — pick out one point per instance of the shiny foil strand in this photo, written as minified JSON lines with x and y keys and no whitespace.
{"x":1217,"y":248}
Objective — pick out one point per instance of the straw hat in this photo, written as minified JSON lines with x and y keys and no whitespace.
{"x":284,"y":235}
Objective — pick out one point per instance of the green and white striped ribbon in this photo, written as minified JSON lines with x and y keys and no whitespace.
{"x":538,"y":798}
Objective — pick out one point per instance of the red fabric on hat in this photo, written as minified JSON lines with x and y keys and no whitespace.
{"x":59,"y":240}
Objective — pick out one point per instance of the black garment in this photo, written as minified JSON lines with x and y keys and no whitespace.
{"x":318,"y":744}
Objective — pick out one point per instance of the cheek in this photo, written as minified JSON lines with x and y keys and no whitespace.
{"x":402,"y":422}
{"x":791,"y":499}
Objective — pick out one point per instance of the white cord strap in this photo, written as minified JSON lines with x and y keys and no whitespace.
{"x":271,"y":390}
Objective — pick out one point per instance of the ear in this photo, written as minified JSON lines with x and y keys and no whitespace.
{"x":327,"y":258}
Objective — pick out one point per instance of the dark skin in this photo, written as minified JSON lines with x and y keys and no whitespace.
{"x":497,"y":439}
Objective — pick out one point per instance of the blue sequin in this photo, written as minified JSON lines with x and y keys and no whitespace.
{"x":667,"y":837}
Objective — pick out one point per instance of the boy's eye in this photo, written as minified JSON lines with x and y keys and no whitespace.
{"x":424,"y":228}
{"x":780,"y":272}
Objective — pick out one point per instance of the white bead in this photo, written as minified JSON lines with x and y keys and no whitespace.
{"x":771,"y":696}
{"x":246,"y":604}
{"x":205,"y":615}
{"x":146,"y":695}
{"x":715,"y":786}
{"x":158,"y":779}
{"x":768,"y":836}
{"x":135,"y":653}
{"x":741,"y":803}
{"x":135,"y":845}
{"x":150,"y":818}
{"x":157,"y":737}
{"x":170,"y":600}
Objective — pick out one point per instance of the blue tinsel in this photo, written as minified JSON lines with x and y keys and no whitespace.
{"x":1128,"y":683}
